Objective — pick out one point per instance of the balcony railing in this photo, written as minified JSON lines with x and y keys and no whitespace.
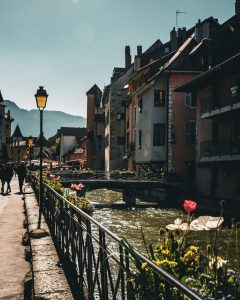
{"x":207,"y":104}
{"x":100,"y":261}
{"x":228,"y":146}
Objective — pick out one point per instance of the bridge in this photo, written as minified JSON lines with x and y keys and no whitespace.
{"x":130,"y":188}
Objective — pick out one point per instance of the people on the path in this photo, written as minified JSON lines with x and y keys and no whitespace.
{"x":9,"y":176}
{"x":21,"y":171}
{"x":2,"y":178}
{"x":6,"y":174}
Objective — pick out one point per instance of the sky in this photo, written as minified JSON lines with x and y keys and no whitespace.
{"x":69,"y":45}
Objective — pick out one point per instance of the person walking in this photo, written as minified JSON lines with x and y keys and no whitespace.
{"x":2,"y":177}
{"x":21,"y":171}
{"x":8,"y":176}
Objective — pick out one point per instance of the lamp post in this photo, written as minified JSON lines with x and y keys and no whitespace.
{"x":41,"y":99}
{"x":30,"y":144}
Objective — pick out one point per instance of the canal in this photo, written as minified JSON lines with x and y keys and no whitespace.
{"x":127,"y":223}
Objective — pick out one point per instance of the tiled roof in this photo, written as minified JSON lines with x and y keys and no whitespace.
{"x":229,"y":66}
{"x":73,"y":131}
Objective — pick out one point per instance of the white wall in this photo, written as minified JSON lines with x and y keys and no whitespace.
{"x":67,"y":143}
{"x":151,"y":115}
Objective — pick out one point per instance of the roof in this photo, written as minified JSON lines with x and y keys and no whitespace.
{"x":73,"y":131}
{"x":1,"y":97}
{"x":17,"y":132}
{"x":174,"y":58}
{"x":1,"y":100}
{"x":224,"y":69}
{"x":94,"y":90}
{"x":44,"y":142}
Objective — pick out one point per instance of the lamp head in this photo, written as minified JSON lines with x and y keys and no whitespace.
{"x":30,"y":141}
{"x":41,"y":98}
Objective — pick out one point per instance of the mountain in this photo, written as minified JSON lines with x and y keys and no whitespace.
{"x":28,"y":120}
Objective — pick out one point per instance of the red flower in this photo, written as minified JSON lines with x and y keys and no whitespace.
{"x":189,"y":206}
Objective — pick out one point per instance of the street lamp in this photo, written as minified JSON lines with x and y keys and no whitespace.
{"x":30,"y":144}
{"x":41,"y":99}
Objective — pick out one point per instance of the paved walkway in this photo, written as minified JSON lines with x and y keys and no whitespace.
{"x":13,"y":266}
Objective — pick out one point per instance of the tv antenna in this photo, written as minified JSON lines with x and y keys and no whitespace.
{"x":178,"y":12}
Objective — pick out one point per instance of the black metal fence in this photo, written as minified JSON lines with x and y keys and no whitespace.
{"x":227,"y":146}
{"x":103,"y":263}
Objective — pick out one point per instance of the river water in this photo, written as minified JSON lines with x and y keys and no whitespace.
{"x":127,"y":223}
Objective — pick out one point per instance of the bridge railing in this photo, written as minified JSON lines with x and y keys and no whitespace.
{"x":103,"y":264}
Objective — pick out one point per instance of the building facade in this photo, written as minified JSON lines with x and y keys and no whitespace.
{"x":95,"y":129}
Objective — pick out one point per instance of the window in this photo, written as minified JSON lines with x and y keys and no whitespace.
{"x":159,"y":98}
{"x":119,"y":93}
{"x":120,"y":140}
{"x":120,"y":116}
{"x":140,"y":139}
{"x":158,"y":134}
{"x":190,"y":132}
{"x":140,"y":105}
{"x":190,"y":99}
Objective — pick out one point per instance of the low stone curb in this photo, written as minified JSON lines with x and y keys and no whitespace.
{"x":49,"y":281}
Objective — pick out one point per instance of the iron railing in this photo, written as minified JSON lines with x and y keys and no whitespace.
{"x":207,"y":104}
{"x":227,"y":146}
{"x":102,"y":262}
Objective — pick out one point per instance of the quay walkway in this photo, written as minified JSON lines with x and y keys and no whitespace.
{"x":44,"y":271}
{"x":13,"y":266}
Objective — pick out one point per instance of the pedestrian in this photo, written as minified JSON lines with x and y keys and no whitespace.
{"x":2,"y":177}
{"x":21,"y":171}
{"x":8,"y":176}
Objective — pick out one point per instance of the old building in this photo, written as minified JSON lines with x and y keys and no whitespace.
{"x":8,"y":122}
{"x":160,"y":129}
{"x":218,"y":110}
{"x":3,"y":148}
{"x":95,"y":129}
{"x":115,"y":117}
{"x":18,"y":145}
{"x":70,"y":139}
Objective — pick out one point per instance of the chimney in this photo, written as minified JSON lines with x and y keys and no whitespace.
{"x":181,"y":35}
{"x":127,"y":57}
{"x":237,"y":6}
{"x":139,"y":50}
{"x":173,"y":39}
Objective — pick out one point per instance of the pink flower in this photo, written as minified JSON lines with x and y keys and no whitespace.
{"x":190,"y":206}
{"x":73,"y":186}
{"x":52,"y":176}
{"x":79,"y":186}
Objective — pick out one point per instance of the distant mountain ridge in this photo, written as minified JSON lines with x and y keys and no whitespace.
{"x":28,"y":120}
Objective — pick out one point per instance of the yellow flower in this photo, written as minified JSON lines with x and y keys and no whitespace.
{"x":144,"y":265}
{"x":165,"y":252}
{"x":194,"y":248}
{"x":166,"y":263}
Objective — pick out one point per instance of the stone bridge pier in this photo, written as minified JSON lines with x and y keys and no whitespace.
{"x":129,"y":196}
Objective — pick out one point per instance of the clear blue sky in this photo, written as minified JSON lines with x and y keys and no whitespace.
{"x":69,"y":45}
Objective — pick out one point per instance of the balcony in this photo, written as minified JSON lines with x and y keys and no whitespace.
{"x":126,"y":101}
{"x":211,"y":107}
{"x":227,"y":149}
